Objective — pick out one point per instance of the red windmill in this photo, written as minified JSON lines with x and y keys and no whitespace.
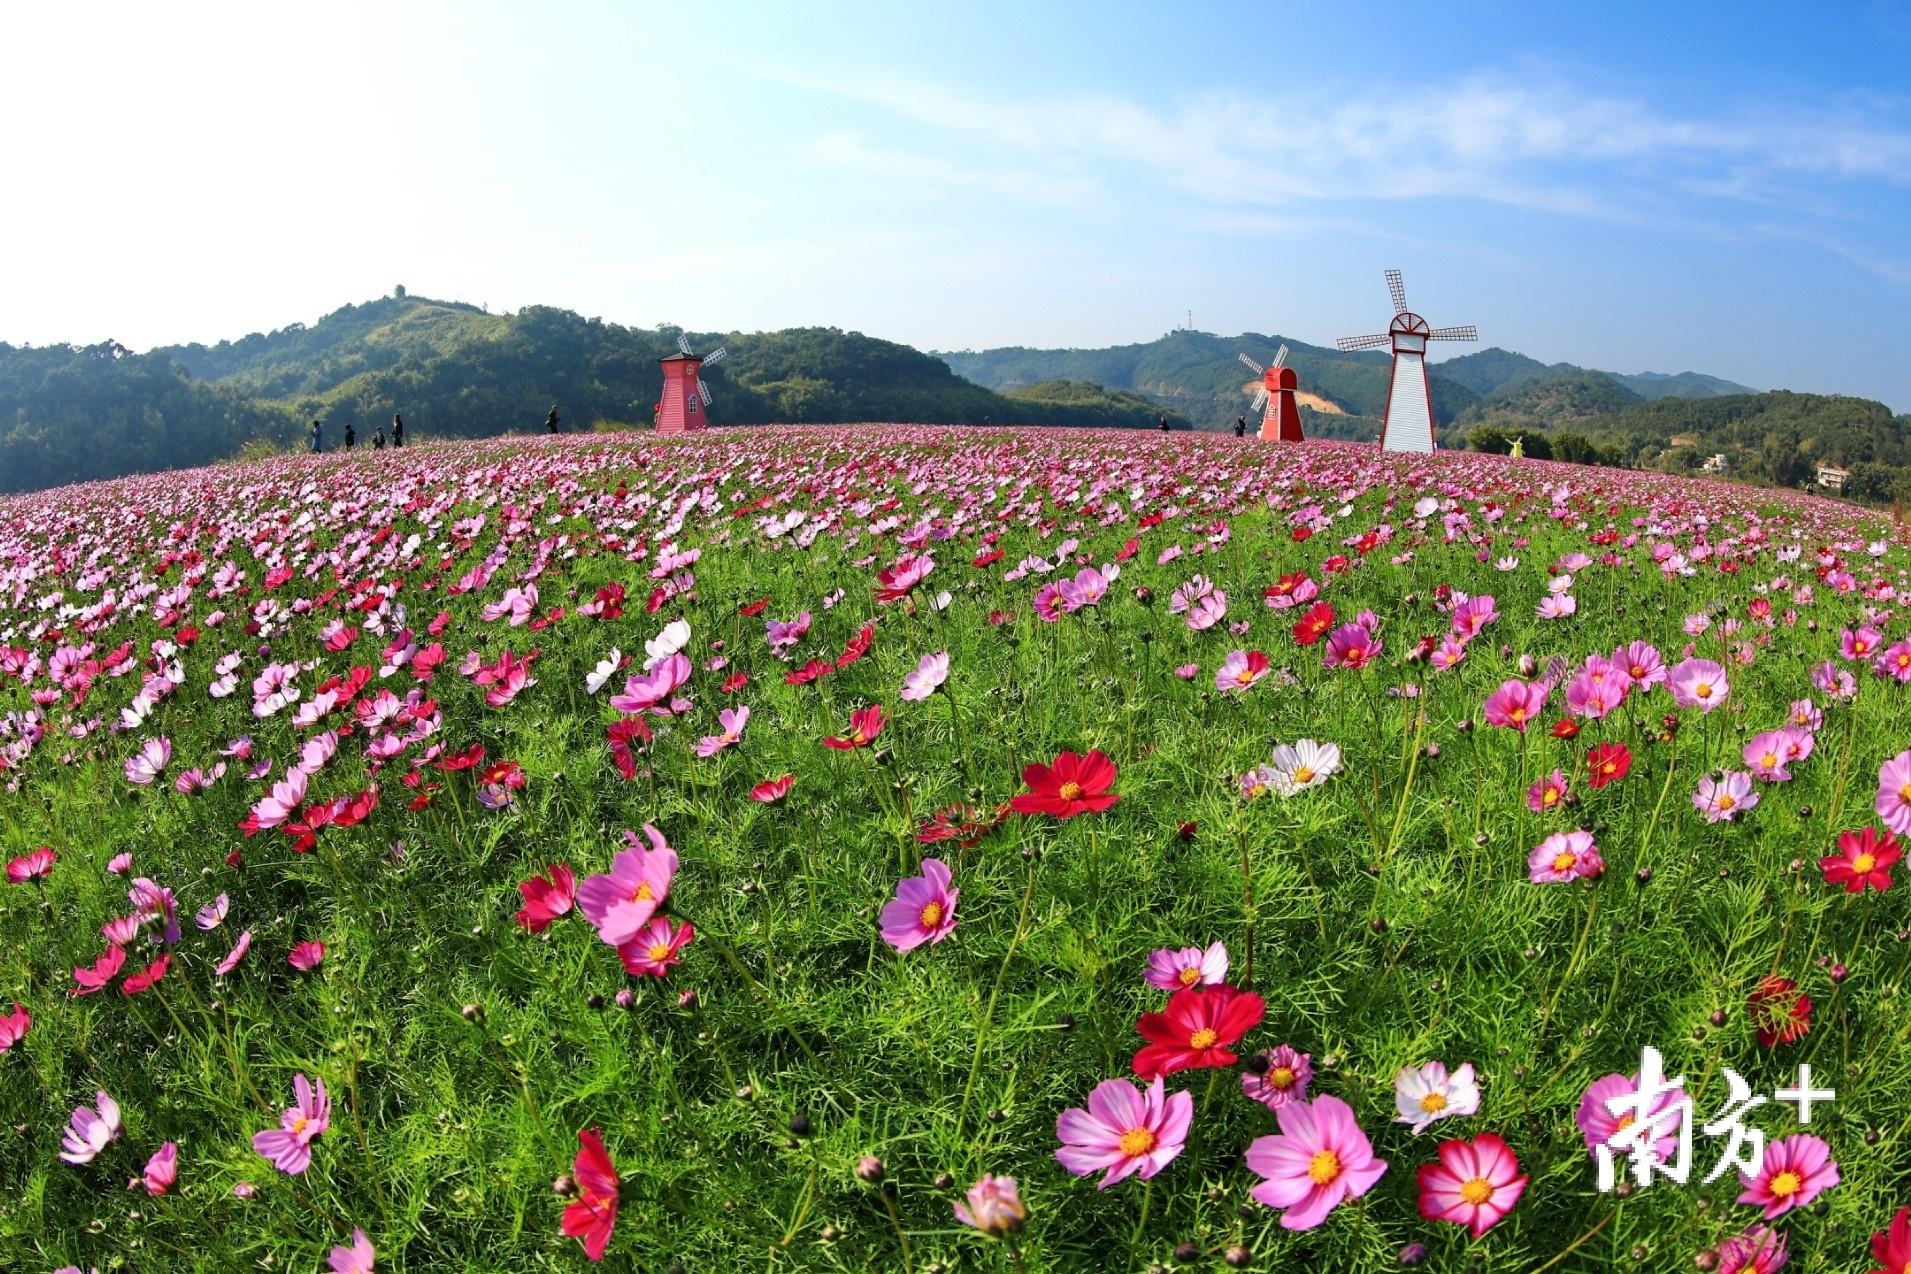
{"x":1282,"y":420}
{"x":686,"y":398}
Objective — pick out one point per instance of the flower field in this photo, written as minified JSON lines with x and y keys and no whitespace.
{"x":951,"y":849}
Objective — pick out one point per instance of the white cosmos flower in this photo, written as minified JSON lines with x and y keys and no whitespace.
{"x":674,"y":637}
{"x":1426,"y":507}
{"x":1426,"y":1093}
{"x":1302,"y":765}
{"x":606,"y":669}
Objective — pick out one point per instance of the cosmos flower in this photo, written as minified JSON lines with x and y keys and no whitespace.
{"x":732,"y":722}
{"x":923,"y":909}
{"x":1548,"y":793}
{"x":927,"y":678}
{"x":865,"y":724}
{"x":619,"y":902}
{"x":546,"y":897}
{"x":1894,"y":793}
{"x":657,"y":948}
{"x":14,"y":1027}
{"x":161,"y":1170}
{"x":1196,"y":1030}
{"x":1758,"y":1249}
{"x":1428,"y":1093}
{"x":306,"y":956}
{"x":1607,"y":763}
{"x":91,"y":1130}
{"x":34,"y":865}
{"x":289,"y":1146}
{"x":993,"y":1205}
{"x":1564,"y":857}
{"x":1781,"y":1013}
{"x":234,"y":956}
{"x":1726,"y":797}
{"x":1318,"y":1161}
{"x":1863,"y":861}
{"x":1516,"y":704}
{"x":592,"y":1215}
{"x":356,"y":1259}
{"x":1475,"y":1183}
{"x":1125,"y":1131}
{"x":1797,"y":1169}
{"x":1699,"y":683}
{"x":1891,"y":1246}
{"x":1302,"y":765}
{"x":1277,"y":1076}
{"x":144,"y":767}
{"x":1072,"y":784}
{"x":1173,"y":969}
{"x":770,"y":791}
{"x":1352,"y":646}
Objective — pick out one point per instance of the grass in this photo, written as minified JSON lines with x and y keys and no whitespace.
{"x":1392,"y":919}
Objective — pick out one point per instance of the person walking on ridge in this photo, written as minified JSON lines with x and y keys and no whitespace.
{"x":550,"y":421}
{"x":397,"y":430}
{"x":317,"y":444}
{"x":1240,"y":426}
{"x":1163,"y":425}
{"x":378,"y":439}
{"x":351,"y":436}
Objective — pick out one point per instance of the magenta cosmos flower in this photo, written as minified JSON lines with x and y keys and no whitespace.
{"x":732,"y":721}
{"x":1797,"y":1169}
{"x":38,"y":864}
{"x":1318,"y":1161}
{"x":1125,"y":1131}
{"x":1241,"y":670}
{"x":657,"y":948}
{"x":923,"y":909}
{"x":1475,"y":1184}
{"x":1173,"y":969}
{"x":160,"y":1172}
{"x":1563,"y":857}
{"x":1757,"y":1249}
{"x":1516,"y":704}
{"x":289,"y":1146}
{"x":620,"y":901}
{"x":1726,"y":797}
{"x":1598,"y":1125}
{"x":1351,"y":646}
{"x":993,"y":1205}
{"x":356,"y":1259}
{"x":1277,"y":1076}
{"x":1699,"y":683}
{"x":927,"y":678}
{"x":1894,"y":793}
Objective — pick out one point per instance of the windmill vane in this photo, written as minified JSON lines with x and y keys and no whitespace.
{"x":1274,"y":398}
{"x":1408,"y":425}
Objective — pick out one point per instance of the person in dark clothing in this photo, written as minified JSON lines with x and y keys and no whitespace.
{"x":1163,"y":426}
{"x":351,"y":436}
{"x":318,"y":444}
{"x":397,"y":430}
{"x":550,"y":421}
{"x":1240,"y":426}
{"x":378,"y":439}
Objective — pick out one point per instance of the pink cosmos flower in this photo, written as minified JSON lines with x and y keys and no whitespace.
{"x":621,"y":901}
{"x":1861,"y":644}
{"x":1597,"y":690}
{"x":923,"y":909}
{"x":306,"y":956}
{"x":1516,"y":704}
{"x":1125,"y":1130}
{"x":1805,"y":715}
{"x":14,"y":1027}
{"x":1172,"y":970}
{"x":38,"y":865}
{"x":1427,"y":1093}
{"x":732,"y":720}
{"x":160,"y":1172}
{"x":1894,"y":794}
{"x":1188,"y":672}
{"x":1699,"y":683}
{"x":213,"y":913}
{"x":657,"y":947}
{"x":1240,"y":671}
{"x":289,"y":1146}
{"x":1726,"y":797}
{"x":1351,"y":646}
{"x":144,"y":767}
{"x":1642,"y":665}
{"x":993,"y":1205}
{"x":91,"y":1130}
{"x":927,"y":678}
{"x":1767,"y":754}
{"x":649,"y":689}
{"x":1757,"y":1249}
{"x":1277,"y":1076}
{"x":786,"y":633}
{"x":1797,"y":1169}
{"x":1319,"y":1160}
{"x":232,"y":958}
{"x":1564,"y":857}
{"x":1598,"y":1125}
{"x":1548,"y":793}
{"x":120,"y":864}
{"x":1475,"y":1184}
{"x":1087,"y":589}
{"x":1207,"y":610}
{"x":1473,"y":614}
{"x":1894,"y":661}
{"x":356,"y":1259}
{"x":287,"y":795}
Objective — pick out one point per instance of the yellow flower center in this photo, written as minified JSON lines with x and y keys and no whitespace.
{"x":1518,"y":714}
{"x":1769,"y":760}
{"x":644,"y":893}
{"x":658,"y":952}
{"x":1564,"y":860}
{"x":1245,"y":676}
{"x":1904,"y":793}
{"x":1625,"y":1122}
{"x":299,"y":1122}
{"x":1137,"y":1141}
{"x":1203,"y":1038}
{"x":1323,"y":1168}
{"x":1282,"y":1077}
{"x":1786,"y":1184}
{"x":1477,"y":1191}
{"x":1070,"y":791}
{"x":1864,"y":863}
{"x":1727,"y":801}
{"x":1433,"y":1103}
{"x":1703,"y":690}
{"x":931,"y":915}
{"x":1551,"y":797}
{"x":1305,"y":774}
{"x":1189,"y":976}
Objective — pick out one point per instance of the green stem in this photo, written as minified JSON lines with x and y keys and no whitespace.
{"x":988,"y":1013}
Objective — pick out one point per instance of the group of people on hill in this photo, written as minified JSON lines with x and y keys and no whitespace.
{"x":351,"y":435}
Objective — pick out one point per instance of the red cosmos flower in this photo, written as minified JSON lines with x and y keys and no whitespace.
{"x":966,"y":825}
{"x":864,"y":725}
{"x":1891,"y":1247}
{"x":858,"y":646}
{"x":1565,"y":728}
{"x":1316,"y":623}
{"x":1196,"y":1029}
{"x":1780,"y":1011}
{"x":750,"y":610}
{"x":1335,"y":565}
{"x":989,"y":558}
{"x":1862,"y":859}
{"x":1301,"y":534}
{"x":547,"y":897}
{"x":1071,"y":785}
{"x":469,"y":759}
{"x":770,"y":791}
{"x":734,"y":683}
{"x":37,"y":865}
{"x":147,"y":976}
{"x":1128,"y":549}
{"x":592,"y":1216}
{"x":807,"y":673}
{"x":1607,"y":763}
{"x":353,"y":810}
{"x":619,"y":735}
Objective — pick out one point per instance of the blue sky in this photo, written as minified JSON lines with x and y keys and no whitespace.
{"x":1718,"y":188}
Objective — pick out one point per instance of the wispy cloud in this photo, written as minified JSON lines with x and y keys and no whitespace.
{"x":849,"y":152}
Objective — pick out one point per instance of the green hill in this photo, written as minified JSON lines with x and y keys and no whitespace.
{"x":1551,"y":399}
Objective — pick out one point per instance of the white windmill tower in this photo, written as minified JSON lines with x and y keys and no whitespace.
{"x":1281,"y":422}
{"x":1409,"y":422}
{"x":686,"y":397}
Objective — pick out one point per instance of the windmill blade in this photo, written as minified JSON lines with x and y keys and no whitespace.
{"x":1280,"y":357}
{"x":1348,"y":344}
{"x":716,"y":356}
{"x":1467,"y":333}
{"x":1252,"y":366}
{"x":703,"y":392}
{"x":1397,"y":288}
{"x":1260,"y":399}
{"x":683,"y":342}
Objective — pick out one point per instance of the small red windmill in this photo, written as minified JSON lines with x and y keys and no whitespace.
{"x":686,"y":399}
{"x":1282,"y":420}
